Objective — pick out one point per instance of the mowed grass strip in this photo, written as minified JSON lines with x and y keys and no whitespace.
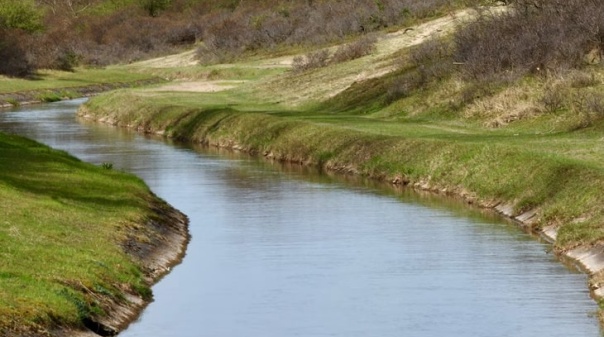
{"x":62,"y":225}
{"x":54,"y":79}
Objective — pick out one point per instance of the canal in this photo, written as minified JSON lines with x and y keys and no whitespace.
{"x":282,"y":251}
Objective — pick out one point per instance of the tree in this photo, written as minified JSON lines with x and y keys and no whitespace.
{"x":12,"y":57}
{"x":20,"y":14}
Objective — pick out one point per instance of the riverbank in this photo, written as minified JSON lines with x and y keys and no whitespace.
{"x":51,"y":85}
{"x":499,"y":148}
{"x":81,"y":244}
{"x":558,"y":198}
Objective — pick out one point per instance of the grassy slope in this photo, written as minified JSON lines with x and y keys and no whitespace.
{"x":52,"y":79}
{"x":500,"y":146}
{"x":62,"y":224}
{"x":503,"y":165}
{"x":51,"y":85}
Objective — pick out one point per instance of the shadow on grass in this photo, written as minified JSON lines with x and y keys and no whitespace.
{"x":34,"y":168}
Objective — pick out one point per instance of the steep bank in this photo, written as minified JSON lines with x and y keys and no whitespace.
{"x":81,"y":244}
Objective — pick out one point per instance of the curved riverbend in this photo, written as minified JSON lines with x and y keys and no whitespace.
{"x":279,"y":252}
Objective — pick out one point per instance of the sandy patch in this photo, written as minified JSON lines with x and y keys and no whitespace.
{"x":199,"y":86}
{"x":185,"y":59}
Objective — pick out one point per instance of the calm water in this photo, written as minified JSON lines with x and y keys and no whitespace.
{"x":278,"y":252}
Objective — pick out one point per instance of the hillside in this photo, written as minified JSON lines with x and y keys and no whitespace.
{"x":65,"y":34}
{"x":470,"y":104}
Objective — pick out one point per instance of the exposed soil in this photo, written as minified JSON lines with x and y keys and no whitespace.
{"x":168,"y":230}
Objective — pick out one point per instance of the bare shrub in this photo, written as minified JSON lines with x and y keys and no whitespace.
{"x":593,"y":103}
{"x":553,"y":99}
{"x":426,"y":63}
{"x":537,"y":36}
{"x":579,"y":79}
{"x":310,"y":61}
{"x":429,"y":52}
{"x":405,"y":84}
{"x":252,"y":25}
{"x":362,"y":47}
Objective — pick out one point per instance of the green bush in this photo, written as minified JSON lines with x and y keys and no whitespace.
{"x":20,"y":14}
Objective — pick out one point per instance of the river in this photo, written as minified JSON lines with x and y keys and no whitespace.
{"x":279,"y":252}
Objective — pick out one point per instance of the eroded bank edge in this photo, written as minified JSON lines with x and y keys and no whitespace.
{"x":172,"y":228}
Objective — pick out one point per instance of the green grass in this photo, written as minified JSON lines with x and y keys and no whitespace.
{"x":52,"y":79}
{"x":430,"y":137}
{"x":62,"y":223}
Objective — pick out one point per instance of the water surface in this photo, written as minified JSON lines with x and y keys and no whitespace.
{"x":280,"y":252}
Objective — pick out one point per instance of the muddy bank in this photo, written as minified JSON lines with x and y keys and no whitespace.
{"x":168,"y":229}
{"x":13,"y":99}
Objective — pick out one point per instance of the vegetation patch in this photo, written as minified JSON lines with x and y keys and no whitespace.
{"x":63,"y":232}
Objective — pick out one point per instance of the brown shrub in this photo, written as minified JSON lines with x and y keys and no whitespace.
{"x":13,"y":58}
{"x":252,"y":25}
{"x":362,"y":47}
{"x":312,"y":60}
{"x":537,"y":36}
{"x":553,"y":99}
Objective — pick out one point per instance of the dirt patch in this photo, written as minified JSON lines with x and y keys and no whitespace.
{"x":185,"y":59}
{"x":199,"y":86}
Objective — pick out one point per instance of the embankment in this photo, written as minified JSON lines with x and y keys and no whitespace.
{"x":557,"y":196}
{"x":35,"y":96}
{"x":81,"y":244}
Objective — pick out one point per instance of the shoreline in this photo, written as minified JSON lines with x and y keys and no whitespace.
{"x":98,"y":255}
{"x":589,"y":258}
{"x":162,"y":255}
{"x":15,"y":99}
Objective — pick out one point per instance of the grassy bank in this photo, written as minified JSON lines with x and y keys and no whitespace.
{"x":528,"y":144}
{"x":71,"y":235}
{"x":52,"y":85}
{"x":532,"y":172}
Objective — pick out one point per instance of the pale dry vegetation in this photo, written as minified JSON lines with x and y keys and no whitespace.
{"x":63,"y":34}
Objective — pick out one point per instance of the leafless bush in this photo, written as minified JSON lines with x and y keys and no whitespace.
{"x":427,"y":63}
{"x":429,"y":52}
{"x":258,"y":24}
{"x":405,"y":84}
{"x":538,"y":36}
{"x":553,"y":99}
{"x":310,"y":61}
{"x":579,"y":79}
{"x":593,"y":103}
{"x":355,"y":50}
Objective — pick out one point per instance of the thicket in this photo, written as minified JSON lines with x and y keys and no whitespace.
{"x":548,"y":39}
{"x":536,"y":36}
{"x":265,"y":24}
{"x":62,"y":34}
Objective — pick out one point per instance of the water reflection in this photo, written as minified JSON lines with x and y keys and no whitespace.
{"x":285,"y":251}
